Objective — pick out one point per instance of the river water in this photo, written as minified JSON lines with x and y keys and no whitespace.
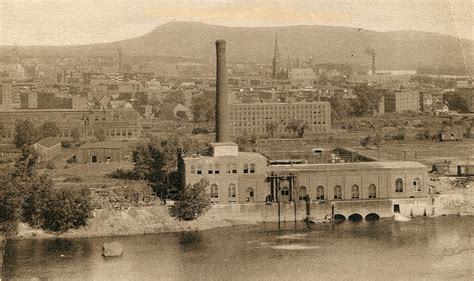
{"x":420,"y":249}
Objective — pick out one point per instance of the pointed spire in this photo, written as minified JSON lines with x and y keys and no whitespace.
{"x":276,"y":52}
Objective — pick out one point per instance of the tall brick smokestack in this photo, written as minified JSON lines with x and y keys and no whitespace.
{"x":222,"y":107}
{"x":371,"y":52}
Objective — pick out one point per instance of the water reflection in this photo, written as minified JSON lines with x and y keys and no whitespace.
{"x":423,"y":248}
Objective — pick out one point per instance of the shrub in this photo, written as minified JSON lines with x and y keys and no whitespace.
{"x":66,"y":143}
{"x":66,"y":209}
{"x":73,"y":179}
{"x":192,"y":202}
{"x":200,"y":131}
{"x":121,"y":174}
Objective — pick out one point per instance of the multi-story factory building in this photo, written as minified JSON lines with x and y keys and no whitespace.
{"x":114,"y":124}
{"x":252,"y":118}
{"x":402,"y":101}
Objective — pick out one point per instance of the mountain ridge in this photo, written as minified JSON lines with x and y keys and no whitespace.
{"x":404,"y":49}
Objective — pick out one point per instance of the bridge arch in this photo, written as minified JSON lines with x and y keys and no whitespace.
{"x":339,"y":217}
{"x":355,"y":217}
{"x":372,"y":217}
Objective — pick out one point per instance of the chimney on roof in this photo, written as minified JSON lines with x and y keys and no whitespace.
{"x":222,"y":107}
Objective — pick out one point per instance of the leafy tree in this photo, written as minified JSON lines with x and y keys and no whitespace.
{"x":75,"y":135}
{"x":340,"y":107}
{"x":36,"y":200}
{"x":149,"y":162}
{"x":192,"y":202}
{"x":203,"y":107}
{"x":271,"y":127}
{"x":246,"y":142}
{"x":297,"y":127}
{"x":365,"y":141}
{"x":456,"y":101}
{"x":49,"y":129}
{"x":100,"y":135}
{"x":25,"y":134}
{"x":66,"y":209}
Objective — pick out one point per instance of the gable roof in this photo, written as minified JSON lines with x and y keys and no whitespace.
{"x":49,"y":142}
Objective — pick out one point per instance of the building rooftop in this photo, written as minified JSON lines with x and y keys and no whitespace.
{"x":104,"y":144}
{"x":49,"y":142}
{"x":350,"y":166}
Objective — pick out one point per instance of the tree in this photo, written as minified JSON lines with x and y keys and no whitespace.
{"x":25,"y":134}
{"x":297,"y":127}
{"x":246,"y":142}
{"x":203,"y":107}
{"x":66,"y":209}
{"x":192,"y":202}
{"x":456,"y":101}
{"x":75,"y":135}
{"x":36,"y":200}
{"x":100,"y":135}
{"x":340,"y":107}
{"x":49,"y":129}
{"x":149,"y":162}
{"x":271,"y":127}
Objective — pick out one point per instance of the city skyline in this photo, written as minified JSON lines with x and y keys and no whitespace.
{"x":85,"y":22}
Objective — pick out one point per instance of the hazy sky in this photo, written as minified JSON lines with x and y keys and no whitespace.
{"x":63,"y":22}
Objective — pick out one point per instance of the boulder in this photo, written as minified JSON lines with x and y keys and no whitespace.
{"x":113,"y":249}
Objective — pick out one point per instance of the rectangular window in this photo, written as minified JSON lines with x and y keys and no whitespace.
{"x":252,"y":168}
{"x":199,"y":170}
{"x":193,"y":169}
{"x":210,"y":169}
{"x":234,"y":168}
{"x":246,"y":168}
{"x":227,"y":168}
{"x":216,"y":169}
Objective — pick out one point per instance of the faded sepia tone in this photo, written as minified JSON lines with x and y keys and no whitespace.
{"x":236,"y":140}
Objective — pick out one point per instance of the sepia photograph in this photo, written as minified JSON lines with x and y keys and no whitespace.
{"x":236,"y":140}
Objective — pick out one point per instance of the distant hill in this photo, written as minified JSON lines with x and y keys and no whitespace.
{"x":326,"y":44}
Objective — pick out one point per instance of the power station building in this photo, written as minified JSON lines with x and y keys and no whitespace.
{"x":247,"y":177}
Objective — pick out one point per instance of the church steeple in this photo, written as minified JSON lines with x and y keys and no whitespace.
{"x":276,"y":60}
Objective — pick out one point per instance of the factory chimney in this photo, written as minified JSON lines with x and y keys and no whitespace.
{"x":222,"y":107}
{"x":371,"y":52}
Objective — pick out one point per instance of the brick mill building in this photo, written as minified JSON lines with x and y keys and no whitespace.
{"x":252,"y":118}
{"x":115,"y":124}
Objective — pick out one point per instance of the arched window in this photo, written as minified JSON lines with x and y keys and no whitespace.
{"x":399,"y":185}
{"x":302,"y":193}
{"x":232,"y":191}
{"x":337,"y":192}
{"x":250,"y":194}
{"x":417,"y":184}
{"x":285,"y":191}
{"x":372,"y":191}
{"x":320,"y":193}
{"x":214,"y":191}
{"x":355,"y":191}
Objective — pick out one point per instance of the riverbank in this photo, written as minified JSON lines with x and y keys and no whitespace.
{"x":133,"y":221}
{"x":156,"y":218}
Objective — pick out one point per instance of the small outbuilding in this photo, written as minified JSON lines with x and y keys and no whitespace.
{"x":47,"y":148}
{"x":102,"y":152}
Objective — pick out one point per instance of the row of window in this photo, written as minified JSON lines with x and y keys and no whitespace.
{"x":355,"y":190}
{"x":229,"y":169}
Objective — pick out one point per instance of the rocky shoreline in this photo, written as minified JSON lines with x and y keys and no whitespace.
{"x":156,"y":219}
